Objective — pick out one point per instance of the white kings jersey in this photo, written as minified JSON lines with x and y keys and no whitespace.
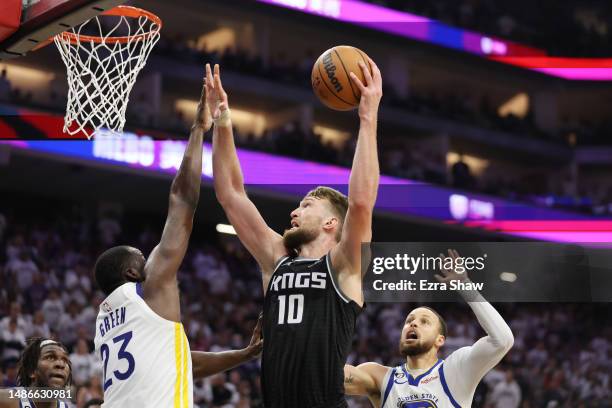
{"x":399,"y":389}
{"x":146,"y":358}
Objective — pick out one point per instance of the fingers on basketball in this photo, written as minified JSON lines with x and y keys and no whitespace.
{"x":367,"y":75}
{"x":357,"y":82}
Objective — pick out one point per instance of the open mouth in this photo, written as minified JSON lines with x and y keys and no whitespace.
{"x":58,"y":376}
{"x":412,"y":335}
{"x":294,"y":224}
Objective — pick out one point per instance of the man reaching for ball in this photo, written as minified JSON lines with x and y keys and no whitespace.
{"x":424,"y":380}
{"x":312,"y":273}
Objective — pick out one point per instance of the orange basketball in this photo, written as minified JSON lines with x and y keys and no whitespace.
{"x":330,"y":77}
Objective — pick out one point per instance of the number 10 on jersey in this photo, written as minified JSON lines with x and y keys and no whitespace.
{"x":292,"y":306}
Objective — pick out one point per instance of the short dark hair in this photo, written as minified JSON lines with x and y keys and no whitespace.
{"x":443,"y":327}
{"x":338,"y":201}
{"x":28,"y":361}
{"x":109,"y":267}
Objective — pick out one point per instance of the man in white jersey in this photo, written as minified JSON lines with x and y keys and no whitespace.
{"x":425,"y":381}
{"x":44,"y":363}
{"x":139,"y":336}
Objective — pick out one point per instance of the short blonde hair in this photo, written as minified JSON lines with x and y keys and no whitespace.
{"x":338,"y":201}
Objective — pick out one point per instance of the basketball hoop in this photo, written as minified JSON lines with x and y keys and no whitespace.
{"x":103,"y":64}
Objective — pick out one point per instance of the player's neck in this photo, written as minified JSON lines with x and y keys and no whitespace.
{"x":317,"y":248}
{"x":422,"y":361}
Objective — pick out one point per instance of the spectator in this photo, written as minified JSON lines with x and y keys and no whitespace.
{"x":14,"y":314}
{"x":507,"y":393}
{"x":39,"y":327}
{"x":83,"y":363}
{"x":13,"y":341}
{"x":53,"y":308}
{"x":91,"y":390}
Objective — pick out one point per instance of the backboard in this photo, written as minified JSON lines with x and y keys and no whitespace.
{"x":29,"y":24}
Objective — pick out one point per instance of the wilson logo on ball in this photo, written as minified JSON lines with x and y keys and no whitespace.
{"x":330,"y":69}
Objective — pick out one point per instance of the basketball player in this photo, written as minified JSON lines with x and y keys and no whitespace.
{"x":312,"y":273}
{"x":139,"y":335}
{"x":43,"y":363}
{"x":425,"y":380}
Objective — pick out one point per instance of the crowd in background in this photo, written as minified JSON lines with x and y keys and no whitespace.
{"x":400,"y":156}
{"x":562,"y":356}
{"x":586,"y":24}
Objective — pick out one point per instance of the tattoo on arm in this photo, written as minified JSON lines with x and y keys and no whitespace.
{"x":349,"y":379}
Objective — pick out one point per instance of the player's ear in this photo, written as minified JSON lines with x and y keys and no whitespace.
{"x":132,"y":275}
{"x":440,"y":340}
{"x":330,"y":223}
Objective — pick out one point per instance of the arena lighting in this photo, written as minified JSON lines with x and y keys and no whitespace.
{"x":406,"y":25}
{"x":508,"y":277}
{"x":419,"y":28}
{"x":294,"y":178}
{"x":226,"y":229}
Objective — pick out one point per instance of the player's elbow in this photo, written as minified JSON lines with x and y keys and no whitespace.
{"x":227,"y":195}
{"x":183,"y":195}
{"x":506,"y":341}
{"x":362,"y":204}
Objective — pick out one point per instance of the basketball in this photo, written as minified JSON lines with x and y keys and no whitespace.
{"x":330,"y":77}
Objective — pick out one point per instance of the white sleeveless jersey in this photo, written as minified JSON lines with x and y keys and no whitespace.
{"x":429,"y":390}
{"x":146,"y":358}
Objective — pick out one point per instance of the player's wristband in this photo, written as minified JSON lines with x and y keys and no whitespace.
{"x":224,"y":120}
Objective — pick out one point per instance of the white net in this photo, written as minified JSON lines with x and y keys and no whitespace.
{"x":103,"y":57}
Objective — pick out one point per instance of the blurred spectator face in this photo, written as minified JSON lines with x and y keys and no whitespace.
{"x":82,"y":347}
{"x":96,"y":382}
{"x":39,"y":318}
{"x":217,"y":380}
{"x":15,"y":310}
{"x":235,"y":377}
{"x":53,"y":368}
{"x":420,"y":333}
{"x":12,"y":325}
{"x":11,"y":374}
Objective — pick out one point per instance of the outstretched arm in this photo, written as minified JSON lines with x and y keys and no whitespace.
{"x":160,"y":287}
{"x":475,"y":361}
{"x":205,"y":364}
{"x":365,"y":380}
{"x":363,"y":187}
{"x":262,"y":242}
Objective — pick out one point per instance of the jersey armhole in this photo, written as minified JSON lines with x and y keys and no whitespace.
{"x":384,"y":393}
{"x":332,"y":277}
{"x":138,"y":297}
{"x":278,"y":265}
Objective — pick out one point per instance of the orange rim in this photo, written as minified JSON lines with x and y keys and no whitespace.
{"x":125,"y":11}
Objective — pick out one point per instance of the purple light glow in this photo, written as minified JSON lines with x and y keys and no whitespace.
{"x":423,"y":29}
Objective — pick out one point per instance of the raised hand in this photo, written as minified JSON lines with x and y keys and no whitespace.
{"x":215,"y":95}
{"x":371,"y":91}
{"x":203,"y":120}
{"x":449,"y":274}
